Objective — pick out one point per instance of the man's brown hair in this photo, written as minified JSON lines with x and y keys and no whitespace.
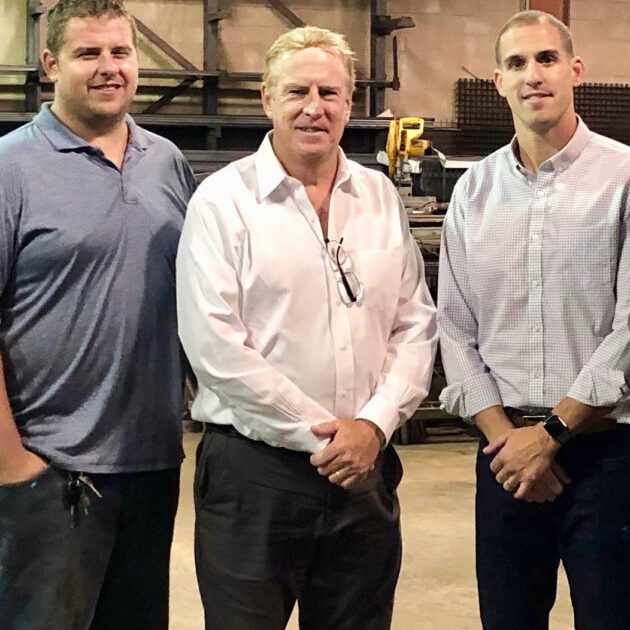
{"x":59,"y":16}
{"x":527,"y":18}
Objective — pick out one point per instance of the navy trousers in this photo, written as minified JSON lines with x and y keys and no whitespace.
{"x":110,"y":572}
{"x":520,"y":545}
{"x":270,"y":531}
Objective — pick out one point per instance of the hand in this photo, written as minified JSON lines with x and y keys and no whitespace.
{"x":24,"y":466}
{"x":549,"y":487}
{"x":350,"y":455}
{"x":524,"y":464}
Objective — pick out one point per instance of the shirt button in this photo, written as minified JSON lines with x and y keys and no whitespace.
{"x":537,"y":375}
{"x":343,"y":347}
{"x":536,"y":329}
{"x":535,"y":283}
{"x":534,"y":238}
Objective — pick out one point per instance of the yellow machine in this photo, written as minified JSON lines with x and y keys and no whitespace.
{"x":404,"y":141}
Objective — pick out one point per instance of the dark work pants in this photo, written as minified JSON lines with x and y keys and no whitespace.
{"x":110,"y":572}
{"x":520,"y":545}
{"x":270,"y":531}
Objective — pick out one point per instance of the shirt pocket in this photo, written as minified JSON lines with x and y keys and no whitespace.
{"x":380,"y":273}
{"x":586,"y":255}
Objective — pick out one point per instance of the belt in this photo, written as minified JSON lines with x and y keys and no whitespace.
{"x":226,"y":429}
{"x":529,"y":417}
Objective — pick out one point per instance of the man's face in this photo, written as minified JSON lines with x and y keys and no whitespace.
{"x":309,"y":104}
{"x":537,"y":77}
{"x":96,"y":70}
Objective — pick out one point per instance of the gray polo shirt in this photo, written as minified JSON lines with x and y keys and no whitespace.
{"x":88,"y":330}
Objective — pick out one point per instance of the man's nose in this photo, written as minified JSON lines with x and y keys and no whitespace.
{"x":107,"y":65}
{"x":313,"y":103}
{"x":533,"y":74}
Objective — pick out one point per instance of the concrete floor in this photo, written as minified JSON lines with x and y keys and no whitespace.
{"x":437,"y":588}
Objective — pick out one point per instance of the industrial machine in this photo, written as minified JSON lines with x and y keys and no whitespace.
{"x":404,"y":141}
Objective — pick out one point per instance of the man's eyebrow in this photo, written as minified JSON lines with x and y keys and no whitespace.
{"x":512,"y":58}
{"x":548,"y":52}
{"x":86,"y":49}
{"x":81,"y":50}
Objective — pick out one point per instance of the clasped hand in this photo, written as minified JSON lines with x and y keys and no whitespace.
{"x":524,"y":464}
{"x":351,"y":452}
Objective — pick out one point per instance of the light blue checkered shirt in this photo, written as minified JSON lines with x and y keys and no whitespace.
{"x":534,"y":285}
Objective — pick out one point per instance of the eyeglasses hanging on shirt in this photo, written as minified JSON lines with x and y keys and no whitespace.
{"x":348,"y":284}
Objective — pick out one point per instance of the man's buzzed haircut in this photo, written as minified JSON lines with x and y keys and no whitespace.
{"x":527,"y":18}
{"x":59,"y":16}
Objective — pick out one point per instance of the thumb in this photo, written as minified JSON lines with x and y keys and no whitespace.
{"x":325,"y":429}
{"x":494,"y":447}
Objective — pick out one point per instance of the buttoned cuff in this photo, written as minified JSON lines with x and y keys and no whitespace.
{"x":599,"y":388}
{"x":382,"y":413}
{"x":470,"y":397}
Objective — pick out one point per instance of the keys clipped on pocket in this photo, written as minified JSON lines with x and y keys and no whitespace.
{"x":77,"y":493}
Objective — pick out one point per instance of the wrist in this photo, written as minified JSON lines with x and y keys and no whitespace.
{"x":378,"y":433}
{"x":557,"y":429}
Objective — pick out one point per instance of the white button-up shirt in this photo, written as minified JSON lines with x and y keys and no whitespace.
{"x":534,"y":285}
{"x":275,"y":348}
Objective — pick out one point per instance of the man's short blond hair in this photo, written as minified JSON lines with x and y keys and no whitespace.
{"x":527,"y":18}
{"x":308,"y":37}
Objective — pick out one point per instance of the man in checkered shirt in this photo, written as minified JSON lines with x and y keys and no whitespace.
{"x":533,"y":305}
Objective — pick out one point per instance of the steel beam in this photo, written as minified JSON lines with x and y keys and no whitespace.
{"x":164,"y":46}
{"x":377,"y":60}
{"x":282,"y":8}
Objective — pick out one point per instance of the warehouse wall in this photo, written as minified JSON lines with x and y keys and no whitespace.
{"x":601,"y":33}
{"x":450,"y":35}
{"x":452,"y":39}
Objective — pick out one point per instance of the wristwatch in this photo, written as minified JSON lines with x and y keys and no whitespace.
{"x":557,"y":429}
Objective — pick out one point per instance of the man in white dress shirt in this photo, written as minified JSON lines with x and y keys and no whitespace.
{"x":305,"y":315}
{"x":534,"y":298}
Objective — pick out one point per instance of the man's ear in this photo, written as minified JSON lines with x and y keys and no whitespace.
{"x":265,"y":97}
{"x":577,"y":68}
{"x":50,"y":64}
{"x":498,"y":81}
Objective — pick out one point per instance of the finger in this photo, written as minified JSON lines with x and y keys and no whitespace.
{"x":340,"y":476}
{"x":555,"y":485}
{"x":523,"y":490}
{"x":496,"y":465}
{"x":560,"y":473}
{"x":503,"y":475}
{"x":494,"y":447}
{"x":330,"y":469}
{"x":510,"y":484}
{"x":325,"y":457}
{"x":326,"y":429}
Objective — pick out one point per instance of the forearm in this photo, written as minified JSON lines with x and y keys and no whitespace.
{"x":10,"y":442}
{"x":578,"y":416}
{"x":493,"y":422}
{"x":16,"y":463}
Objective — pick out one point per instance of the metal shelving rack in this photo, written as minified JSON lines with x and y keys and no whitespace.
{"x":209,"y":76}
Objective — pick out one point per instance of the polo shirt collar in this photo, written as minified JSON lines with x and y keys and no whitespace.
{"x":63,"y":139}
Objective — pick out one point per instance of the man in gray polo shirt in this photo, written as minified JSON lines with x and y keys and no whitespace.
{"x":91,"y":208}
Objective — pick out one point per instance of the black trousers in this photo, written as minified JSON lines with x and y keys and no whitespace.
{"x":520,"y":545}
{"x":111,"y":572}
{"x":270,"y":531}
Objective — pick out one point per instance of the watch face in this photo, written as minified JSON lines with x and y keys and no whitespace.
{"x":557,"y":429}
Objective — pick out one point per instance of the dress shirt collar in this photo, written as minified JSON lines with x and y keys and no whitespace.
{"x":63,"y":139}
{"x":270,"y":172}
{"x":561,"y":160}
